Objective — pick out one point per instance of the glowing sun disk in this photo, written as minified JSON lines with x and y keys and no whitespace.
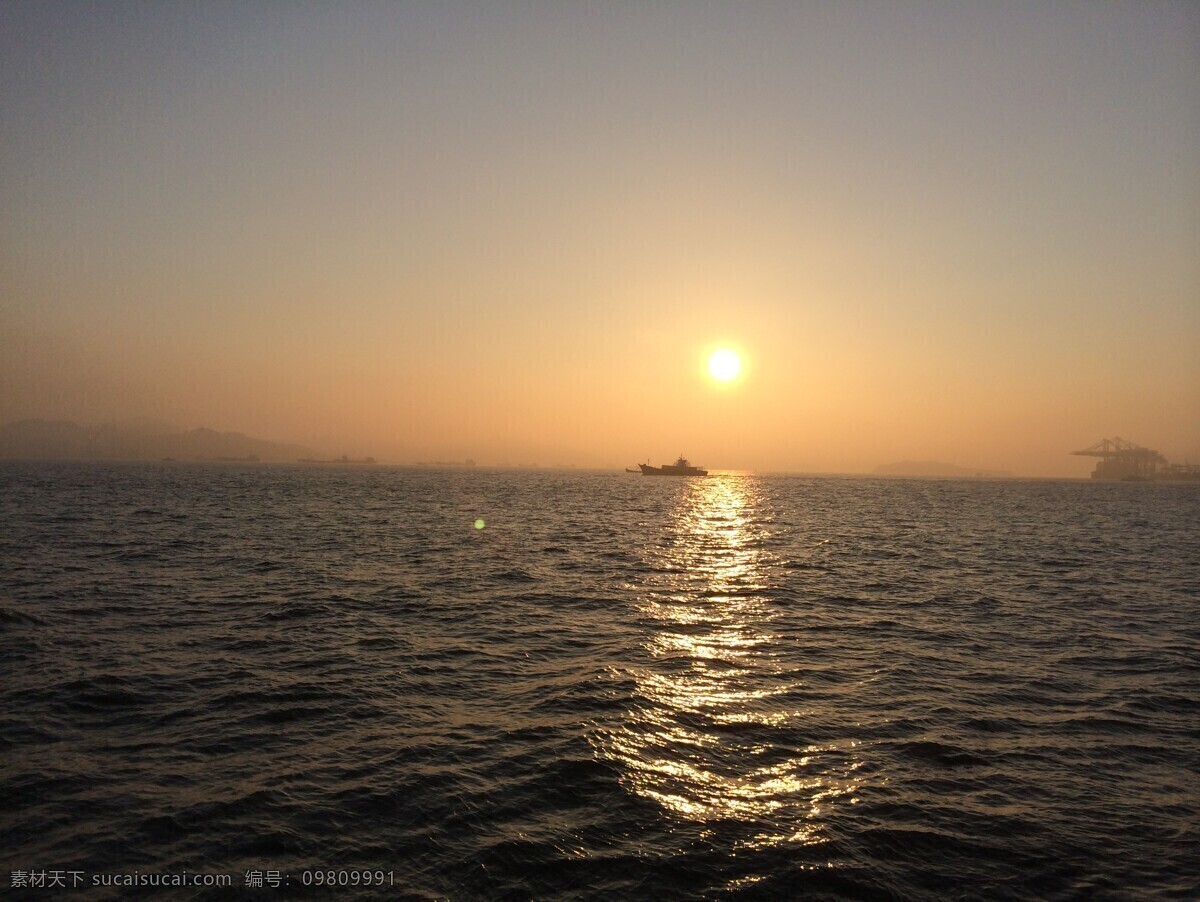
{"x":724,"y":365}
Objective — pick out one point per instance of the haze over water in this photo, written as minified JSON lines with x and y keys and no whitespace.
{"x":513,"y":232}
{"x":618,"y":687}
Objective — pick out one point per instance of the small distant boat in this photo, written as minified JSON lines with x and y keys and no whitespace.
{"x":681,"y":467}
{"x":627,"y":470}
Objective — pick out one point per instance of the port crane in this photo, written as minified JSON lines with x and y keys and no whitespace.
{"x":1121,"y":459}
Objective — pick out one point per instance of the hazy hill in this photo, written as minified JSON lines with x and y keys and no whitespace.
{"x":135,"y":440}
{"x":933,"y":468}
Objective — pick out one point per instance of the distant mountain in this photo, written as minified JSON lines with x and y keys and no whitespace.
{"x":933,"y":468}
{"x":147,"y":426}
{"x":135,"y":440}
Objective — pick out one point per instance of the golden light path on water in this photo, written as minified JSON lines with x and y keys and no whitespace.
{"x":717,"y":729}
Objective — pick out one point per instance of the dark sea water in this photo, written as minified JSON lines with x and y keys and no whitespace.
{"x":620,"y":687}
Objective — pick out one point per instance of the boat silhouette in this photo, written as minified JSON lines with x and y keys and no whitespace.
{"x":681,"y":467}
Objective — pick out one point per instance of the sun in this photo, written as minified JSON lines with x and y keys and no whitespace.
{"x":724,"y":365}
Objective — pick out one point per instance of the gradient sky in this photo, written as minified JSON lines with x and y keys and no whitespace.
{"x":511,"y":231}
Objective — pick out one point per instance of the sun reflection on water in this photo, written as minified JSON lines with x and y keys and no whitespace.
{"x":717,"y":731}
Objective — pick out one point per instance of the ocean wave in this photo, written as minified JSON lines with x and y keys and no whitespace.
{"x":707,"y":689}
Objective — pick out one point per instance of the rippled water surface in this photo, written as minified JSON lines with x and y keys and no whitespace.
{"x":620,"y":687}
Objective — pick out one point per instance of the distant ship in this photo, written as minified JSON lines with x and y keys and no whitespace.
{"x":681,"y":467}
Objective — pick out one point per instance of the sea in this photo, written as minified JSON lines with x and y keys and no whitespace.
{"x":256,"y":681}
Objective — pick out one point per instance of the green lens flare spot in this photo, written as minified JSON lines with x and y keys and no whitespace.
{"x":479,"y":524}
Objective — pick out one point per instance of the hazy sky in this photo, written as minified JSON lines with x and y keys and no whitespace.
{"x":512,"y":231}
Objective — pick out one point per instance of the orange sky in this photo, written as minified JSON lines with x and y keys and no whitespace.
{"x":513,"y":232}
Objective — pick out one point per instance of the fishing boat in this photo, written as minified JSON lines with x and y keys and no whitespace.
{"x":681,"y":467}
